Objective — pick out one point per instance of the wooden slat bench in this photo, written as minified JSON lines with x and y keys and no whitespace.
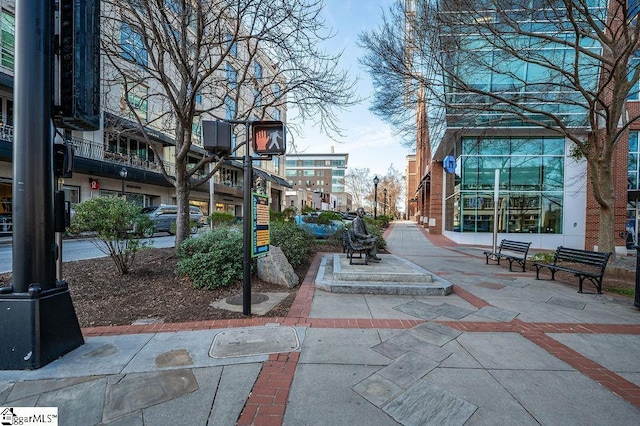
{"x":351,"y":247}
{"x":513,"y":251}
{"x":583,"y":264}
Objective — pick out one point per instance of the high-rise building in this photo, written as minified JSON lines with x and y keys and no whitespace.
{"x":543,"y":194}
{"x":322,"y":174}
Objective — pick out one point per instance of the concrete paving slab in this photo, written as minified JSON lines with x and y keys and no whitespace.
{"x":341,"y":346}
{"x":78,"y":405}
{"x":617,"y":352}
{"x":232,"y":393}
{"x":134,"y":419}
{"x":408,"y":342}
{"x":458,"y":357}
{"x":323,"y":396}
{"x":566,"y":398}
{"x":194,"y":407}
{"x":429,"y":311}
{"x":436,"y":334}
{"x":566,"y":303}
{"x":98,"y":356}
{"x":333,"y":305}
{"x":138,"y":391}
{"x":509,"y":351}
{"x":407,"y":369}
{"x":418,"y":310}
{"x":427,"y":404}
{"x":5,"y":390}
{"x":195,"y":343}
{"x":383,"y":306}
{"x":495,"y":405}
{"x":25,"y":389}
{"x":377,"y":390}
{"x":497,"y":314}
{"x":535,"y":311}
{"x":250,"y":341}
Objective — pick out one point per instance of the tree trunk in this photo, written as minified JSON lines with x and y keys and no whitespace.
{"x":182,"y":201}
{"x":604,"y":192}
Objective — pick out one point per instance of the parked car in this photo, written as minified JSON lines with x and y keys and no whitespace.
{"x":164,"y":216}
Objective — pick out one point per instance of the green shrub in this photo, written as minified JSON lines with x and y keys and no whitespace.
{"x":324,"y":218}
{"x":308,"y":209}
{"x":213,"y":259}
{"x":296,"y":243}
{"x":114,"y":226}
{"x":220,"y":218}
{"x":285,"y":215}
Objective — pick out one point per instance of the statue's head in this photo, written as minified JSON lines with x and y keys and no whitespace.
{"x":360,"y":211}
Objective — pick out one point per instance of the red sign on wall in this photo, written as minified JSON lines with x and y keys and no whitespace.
{"x":94,"y":183}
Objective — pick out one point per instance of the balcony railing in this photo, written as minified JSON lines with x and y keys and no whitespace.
{"x":96,"y":151}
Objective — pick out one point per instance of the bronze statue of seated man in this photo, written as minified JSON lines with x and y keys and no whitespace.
{"x":363,"y":236}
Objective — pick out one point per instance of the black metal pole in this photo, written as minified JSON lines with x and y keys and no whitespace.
{"x":636,"y":301}
{"x":38,"y":321}
{"x":246,"y":228}
{"x":34,"y":252}
{"x":375,"y":201}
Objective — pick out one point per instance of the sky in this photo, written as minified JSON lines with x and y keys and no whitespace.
{"x":368,"y":140}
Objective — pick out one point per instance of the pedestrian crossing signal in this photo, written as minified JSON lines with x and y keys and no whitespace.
{"x":268,"y":137}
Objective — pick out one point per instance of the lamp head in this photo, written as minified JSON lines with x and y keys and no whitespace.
{"x":376,"y":180}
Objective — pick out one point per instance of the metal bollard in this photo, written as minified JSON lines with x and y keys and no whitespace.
{"x":636,"y":301}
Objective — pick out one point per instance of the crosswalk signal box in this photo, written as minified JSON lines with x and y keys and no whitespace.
{"x":268,"y":137}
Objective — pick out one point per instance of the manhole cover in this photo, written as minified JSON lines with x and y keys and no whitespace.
{"x":255,"y":298}
{"x":254,"y":341}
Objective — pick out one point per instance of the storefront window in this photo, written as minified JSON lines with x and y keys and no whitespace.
{"x":531,"y":186}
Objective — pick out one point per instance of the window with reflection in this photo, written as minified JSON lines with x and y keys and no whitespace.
{"x":633,"y":170}
{"x":531,"y":172}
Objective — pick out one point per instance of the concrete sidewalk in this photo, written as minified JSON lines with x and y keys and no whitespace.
{"x":504,"y":348}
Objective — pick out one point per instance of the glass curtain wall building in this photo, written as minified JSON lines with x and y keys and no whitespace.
{"x":501,"y":97}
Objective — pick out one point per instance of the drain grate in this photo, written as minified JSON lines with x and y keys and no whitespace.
{"x":254,"y":341}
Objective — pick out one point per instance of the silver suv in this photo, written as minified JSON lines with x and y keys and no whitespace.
{"x":164,"y":216}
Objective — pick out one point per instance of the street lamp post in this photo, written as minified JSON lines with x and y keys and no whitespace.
{"x":384,"y":206}
{"x":375,"y":197}
{"x":123,"y":175}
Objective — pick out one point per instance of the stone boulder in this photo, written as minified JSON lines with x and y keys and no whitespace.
{"x":276,"y":269}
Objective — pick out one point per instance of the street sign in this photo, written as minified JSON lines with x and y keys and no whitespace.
{"x":260,"y":225}
{"x":449,"y":164}
{"x":268,"y":137}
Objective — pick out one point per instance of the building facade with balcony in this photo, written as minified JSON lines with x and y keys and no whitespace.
{"x":137,"y":134}
{"x":317,"y":181}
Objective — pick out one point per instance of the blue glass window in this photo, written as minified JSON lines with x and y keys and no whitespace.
{"x":132,"y":45}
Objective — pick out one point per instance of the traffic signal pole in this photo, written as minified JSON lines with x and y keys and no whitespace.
{"x":246,"y":227}
{"x":39,"y":323}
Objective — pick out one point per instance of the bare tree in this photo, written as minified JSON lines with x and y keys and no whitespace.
{"x":393,"y":182}
{"x":171,"y":63}
{"x":580,"y":57}
{"x":358,"y":183}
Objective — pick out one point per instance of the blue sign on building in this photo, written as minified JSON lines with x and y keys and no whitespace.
{"x":449,"y":164}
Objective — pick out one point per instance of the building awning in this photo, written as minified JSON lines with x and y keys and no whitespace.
{"x":424,"y":182}
{"x":271,"y":177}
{"x":128,"y":125}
